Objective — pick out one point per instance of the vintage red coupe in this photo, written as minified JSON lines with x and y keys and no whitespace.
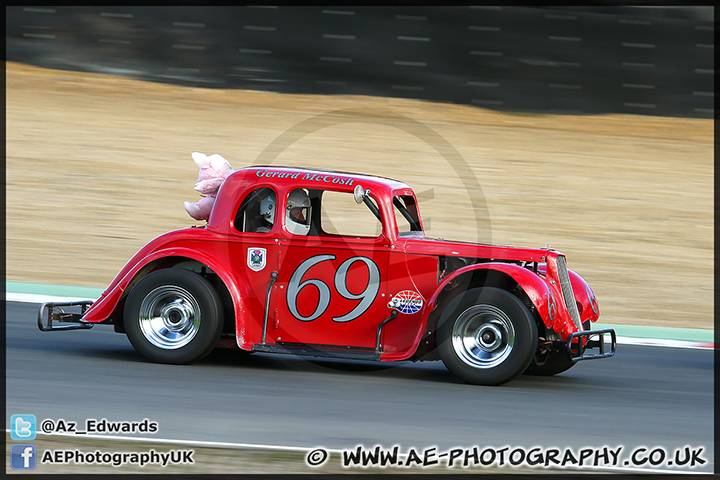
{"x":333,"y":264}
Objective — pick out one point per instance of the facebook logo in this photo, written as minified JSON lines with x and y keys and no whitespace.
{"x":23,"y":427}
{"x":23,"y":457}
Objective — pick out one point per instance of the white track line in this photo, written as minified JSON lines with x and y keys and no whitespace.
{"x":194,"y":443}
{"x":660,"y":342}
{"x":38,"y":298}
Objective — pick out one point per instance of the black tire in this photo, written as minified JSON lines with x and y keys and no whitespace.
{"x":186,"y":313}
{"x":487,"y":336}
{"x":555,"y":362}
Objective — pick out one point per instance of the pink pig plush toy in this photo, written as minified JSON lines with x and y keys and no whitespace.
{"x":213,"y":170}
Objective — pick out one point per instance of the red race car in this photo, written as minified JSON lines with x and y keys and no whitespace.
{"x":332,"y":264}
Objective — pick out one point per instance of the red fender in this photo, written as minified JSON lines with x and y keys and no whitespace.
{"x":584,"y":295}
{"x":106,"y":304}
{"x":534,"y":286}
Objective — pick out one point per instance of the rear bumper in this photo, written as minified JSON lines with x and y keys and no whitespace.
{"x":579,"y":343}
{"x":56,"y":313}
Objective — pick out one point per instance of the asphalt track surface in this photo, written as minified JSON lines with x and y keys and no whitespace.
{"x":643,"y":397}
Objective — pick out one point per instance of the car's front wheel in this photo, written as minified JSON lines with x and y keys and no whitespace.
{"x":173,"y":316}
{"x":487,"y":336}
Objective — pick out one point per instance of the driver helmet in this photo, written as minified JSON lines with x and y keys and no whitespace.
{"x":297,"y":218}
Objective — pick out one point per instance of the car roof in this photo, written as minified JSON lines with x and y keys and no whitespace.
{"x":283,"y":179}
{"x":314,"y":178}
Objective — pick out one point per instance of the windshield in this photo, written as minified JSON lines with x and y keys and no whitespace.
{"x":406,"y":215}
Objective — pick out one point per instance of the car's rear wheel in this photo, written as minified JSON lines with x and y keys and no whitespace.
{"x":487,"y":336}
{"x":173,"y":316}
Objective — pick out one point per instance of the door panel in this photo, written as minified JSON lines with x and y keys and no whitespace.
{"x":330,"y":293}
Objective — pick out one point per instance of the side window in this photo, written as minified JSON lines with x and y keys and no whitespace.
{"x":341,"y":215}
{"x":257,"y":211}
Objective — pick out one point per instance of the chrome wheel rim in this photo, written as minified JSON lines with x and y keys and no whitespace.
{"x":483,"y":336}
{"x":169,"y":317}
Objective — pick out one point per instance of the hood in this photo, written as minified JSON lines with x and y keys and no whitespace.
{"x":431,"y":246}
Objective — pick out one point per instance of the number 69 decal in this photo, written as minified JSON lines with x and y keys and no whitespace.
{"x":366,"y":297}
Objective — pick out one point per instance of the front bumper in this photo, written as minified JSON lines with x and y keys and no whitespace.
{"x":56,"y":313}
{"x":579,"y":343}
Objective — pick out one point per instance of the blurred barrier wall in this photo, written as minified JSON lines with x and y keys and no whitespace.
{"x":589,"y":60}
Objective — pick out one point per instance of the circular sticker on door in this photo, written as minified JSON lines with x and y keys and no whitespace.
{"x":407,"y":302}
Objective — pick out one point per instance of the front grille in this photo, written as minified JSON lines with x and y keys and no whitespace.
{"x":567,"y":291}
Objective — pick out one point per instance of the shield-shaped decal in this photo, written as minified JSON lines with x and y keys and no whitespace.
{"x":256,"y":258}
